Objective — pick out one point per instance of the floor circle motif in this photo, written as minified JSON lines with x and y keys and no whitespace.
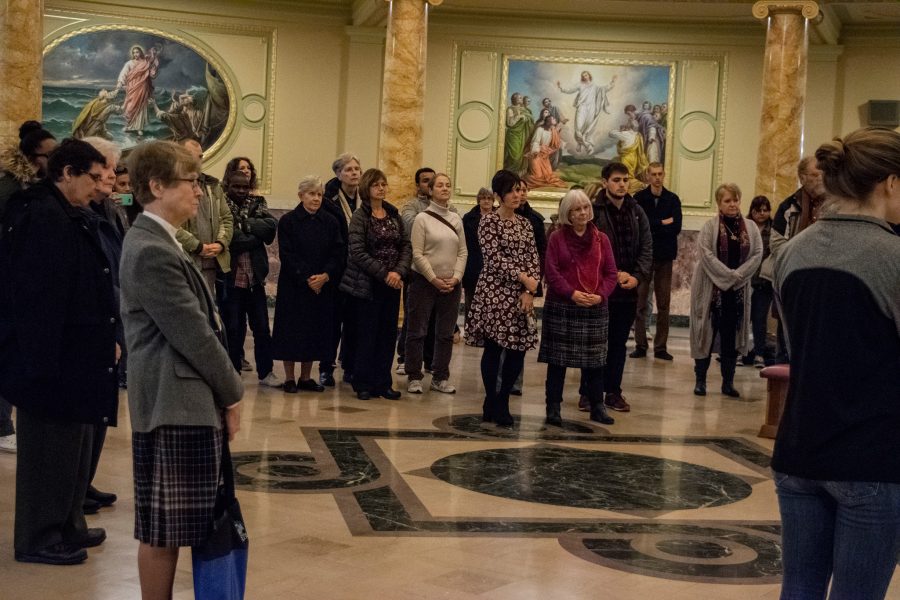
{"x":565,"y":476}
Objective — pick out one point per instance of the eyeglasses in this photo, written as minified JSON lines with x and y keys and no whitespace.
{"x":194,"y":182}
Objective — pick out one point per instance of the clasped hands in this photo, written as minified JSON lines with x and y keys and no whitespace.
{"x":445,"y":285}
{"x":316,"y":282}
{"x":585,"y":299}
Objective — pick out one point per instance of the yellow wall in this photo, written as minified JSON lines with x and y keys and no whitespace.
{"x":327,"y":84}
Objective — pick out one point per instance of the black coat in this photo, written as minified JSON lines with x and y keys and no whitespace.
{"x":363,"y":270}
{"x":636,"y":259}
{"x":540,"y":235}
{"x":665,"y":237}
{"x":307,"y":245}
{"x":475,"y":263}
{"x":57,"y":311}
{"x":253,"y":235}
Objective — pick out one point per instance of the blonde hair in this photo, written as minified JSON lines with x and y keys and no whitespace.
{"x":573,"y":199}
{"x":110,"y":151}
{"x":728,"y":187}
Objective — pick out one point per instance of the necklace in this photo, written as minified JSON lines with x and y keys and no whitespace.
{"x":731,"y":234}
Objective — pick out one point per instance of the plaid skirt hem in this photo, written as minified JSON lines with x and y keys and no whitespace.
{"x":574,"y":336}
{"x":176,"y":476}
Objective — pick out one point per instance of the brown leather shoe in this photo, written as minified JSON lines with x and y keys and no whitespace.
{"x":617,"y":402}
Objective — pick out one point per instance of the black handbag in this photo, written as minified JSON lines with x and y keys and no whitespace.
{"x":220,"y":563}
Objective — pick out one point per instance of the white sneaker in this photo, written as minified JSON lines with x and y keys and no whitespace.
{"x":8,"y":443}
{"x":401,"y":369}
{"x":414,"y":386}
{"x":271,"y":380}
{"x":443,"y":386}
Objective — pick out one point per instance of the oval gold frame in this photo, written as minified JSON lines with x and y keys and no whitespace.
{"x":207,"y":54}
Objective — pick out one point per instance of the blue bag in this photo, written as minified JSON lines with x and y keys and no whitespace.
{"x":220,"y":564}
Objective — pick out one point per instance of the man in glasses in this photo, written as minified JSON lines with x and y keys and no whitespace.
{"x":58,"y":322}
{"x":206,"y":237}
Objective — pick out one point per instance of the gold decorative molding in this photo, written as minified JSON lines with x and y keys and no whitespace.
{"x":805,"y":8}
{"x":431,"y":2}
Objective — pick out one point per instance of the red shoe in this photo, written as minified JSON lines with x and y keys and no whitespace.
{"x":617,"y":402}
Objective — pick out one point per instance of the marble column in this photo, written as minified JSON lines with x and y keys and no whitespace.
{"x":783,"y":95}
{"x":403,"y":95}
{"x":20,"y":65}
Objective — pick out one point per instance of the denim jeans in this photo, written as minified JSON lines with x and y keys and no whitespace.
{"x":760,"y":303}
{"x":846,"y":531}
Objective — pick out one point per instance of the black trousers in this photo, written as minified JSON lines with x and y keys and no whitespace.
{"x":621,"y":317}
{"x":52,"y":473}
{"x":343,"y":334}
{"x":496,"y":401}
{"x":250,"y":303}
{"x":376,"y":332}
{"x":591,"y":383}
{"x":726,"y":329}
{"x":96,"y":449}
{"x":6,"y":423}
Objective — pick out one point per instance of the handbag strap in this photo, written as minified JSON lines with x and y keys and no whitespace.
{"x":442,"y":220}
{"x":227,"y":468}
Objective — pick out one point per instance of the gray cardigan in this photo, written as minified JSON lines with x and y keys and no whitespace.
{"x":179,"y":372}
{"x":711,"y":273}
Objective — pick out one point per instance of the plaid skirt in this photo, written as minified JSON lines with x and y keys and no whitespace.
{"x":176,"y":476}
{"x":574,"y":336}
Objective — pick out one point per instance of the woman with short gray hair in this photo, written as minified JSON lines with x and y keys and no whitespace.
{"x":580,"y":271}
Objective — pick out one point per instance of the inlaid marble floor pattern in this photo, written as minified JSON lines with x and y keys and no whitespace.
{"x":415,"y":498}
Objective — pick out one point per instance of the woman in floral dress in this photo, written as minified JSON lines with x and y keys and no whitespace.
{"x":501,"y":316}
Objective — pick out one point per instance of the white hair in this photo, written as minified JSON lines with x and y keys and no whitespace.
{"x":573,"y":199}
{"x":110,"y":151}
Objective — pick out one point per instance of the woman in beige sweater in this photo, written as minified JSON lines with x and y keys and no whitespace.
{"x":439,"y":260}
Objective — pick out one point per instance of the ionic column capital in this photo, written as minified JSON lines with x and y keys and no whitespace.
{"x":808,"y":9}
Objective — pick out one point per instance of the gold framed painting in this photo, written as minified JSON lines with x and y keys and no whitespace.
{"x":563,"y":118}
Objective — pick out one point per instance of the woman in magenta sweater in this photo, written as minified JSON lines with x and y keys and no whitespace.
{"x":580,"y":272}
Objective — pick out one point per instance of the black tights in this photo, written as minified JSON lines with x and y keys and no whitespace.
{"x":591,"y":383}
{"x":496,"y":404}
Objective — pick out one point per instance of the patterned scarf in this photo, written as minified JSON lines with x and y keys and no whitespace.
{"x":732,"y":253}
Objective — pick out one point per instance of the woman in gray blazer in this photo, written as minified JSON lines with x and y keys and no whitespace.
{"x":182,"y":387}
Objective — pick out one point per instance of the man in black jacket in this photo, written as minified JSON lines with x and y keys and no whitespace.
{"x":57,"y":352}
{"x":663,"y":210}
{"x":245,"y":286}
{"x":618,"y":216}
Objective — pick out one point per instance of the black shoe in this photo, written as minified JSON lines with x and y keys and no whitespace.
{"x":390,"y":394}
{"x":101,"y":498}
{"x":639,"y":353}
{"x":57,"y":554}
{"x":326,"y":379}
{"x":747,"y":360}
{"x":90,"y":507}
{"x":95,"y":536}
{"x":584,"y":404}
{"x":599,"y":414}
{"x":123,"y":383}
{"x":290,"y":387}
{"x":553,"y":416}
{"x":348,"y":378}
{"x":700,"y":388}
{"x":506,"y":422}
{"x":515,"y":392}
{"x":728,"y":390}
{"x":662,"y":355}
{"x":363,"y":395}
{"x":309,"y":386}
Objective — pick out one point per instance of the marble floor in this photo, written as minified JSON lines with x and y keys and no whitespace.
{"x":346,"y":499}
